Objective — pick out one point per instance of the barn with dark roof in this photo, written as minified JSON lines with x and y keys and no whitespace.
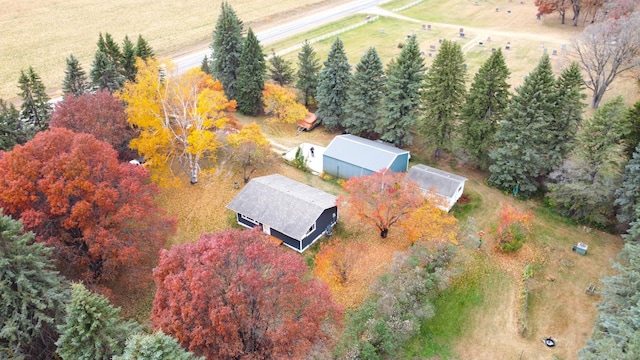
{"x":293,"y":212}
{"x":349,"y":155}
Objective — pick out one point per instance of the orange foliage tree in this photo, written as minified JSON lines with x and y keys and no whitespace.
{"x":177,"y":115}
{"x":280,"y":102}
{"x":250,"y":150}
{"x":513,"y":228}
{"x":430,"y":223}
{"x":235,"y":295}
{"x":98,"y":214}
{"x":381,"y":199}
{"x":335,"y":262}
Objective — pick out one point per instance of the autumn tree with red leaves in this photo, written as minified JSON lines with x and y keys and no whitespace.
{"x":514,"y":227}
{"x":98,"y":214}
{"x":381,"y":199}
{"x":99,"y":114}
{"x":235,"y":295}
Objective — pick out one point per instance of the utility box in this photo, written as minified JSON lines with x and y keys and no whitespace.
{"x":581,"y":248}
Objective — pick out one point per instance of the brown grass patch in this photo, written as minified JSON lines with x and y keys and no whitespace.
{"x":43,"y":33}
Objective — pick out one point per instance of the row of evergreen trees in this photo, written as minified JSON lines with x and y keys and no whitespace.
{"x":46,"y":317}
{"x":112,"y":66}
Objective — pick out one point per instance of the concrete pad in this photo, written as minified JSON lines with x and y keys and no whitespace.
{"x":313,"y":162}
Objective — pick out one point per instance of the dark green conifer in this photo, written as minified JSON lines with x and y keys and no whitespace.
{"x":405,"y":82}
{"x":251,"y":76}
{"x":484,"y":107}
{"x":35,"y":109}
{"x":280,"y":70}
{"x":226,"y":50}
{"x":307,"y":74}
{"x":333,"y":82}
{"x":365,"y":96}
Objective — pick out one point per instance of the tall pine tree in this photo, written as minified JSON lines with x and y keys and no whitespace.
{"x":628,"y":194}
{"x":156,"y":346}
{"x":307,"y":75}
{"x":33,"y":294}
{"x":12,"y":130}
{"x":111,"y":49}
{"x":280,"y":70}
{"x":143,"y":49}
{"x":519,"y":157}
{"x":633,"y":138}
{"x":617,"y":331}
{"x":128,"y":60}
{"x":251,"y":76}
{"x":586,"y":187}
{"x":405,"y":83}
{"x":444,"y":95}
{"x":93,"y":328}
{"x":226,"y":50}
{"x":333,"y":82}
{"x":364,"y":105}
{"x":567,"y":117}
{"x":75,"y":79}
{"x":485,"y":105}
{"x":35,"y":109}
{"x":104,"y":73}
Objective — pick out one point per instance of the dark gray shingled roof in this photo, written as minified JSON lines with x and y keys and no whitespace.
{"x":443,"y":182}
{"x":368,"y":154}
{"x":281,"y":203}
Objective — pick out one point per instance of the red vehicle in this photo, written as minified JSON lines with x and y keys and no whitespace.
{"x":308,"y":123}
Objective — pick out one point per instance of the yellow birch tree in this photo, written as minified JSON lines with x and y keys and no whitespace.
{"x":178,"y":116}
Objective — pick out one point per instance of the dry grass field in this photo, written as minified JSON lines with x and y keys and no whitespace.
{"x":43,"y":33}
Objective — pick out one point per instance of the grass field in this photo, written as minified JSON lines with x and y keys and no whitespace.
{"x":43,"y":33}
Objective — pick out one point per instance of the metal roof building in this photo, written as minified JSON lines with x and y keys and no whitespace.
{"x":445,"y":184}
{"x":349,"y":155}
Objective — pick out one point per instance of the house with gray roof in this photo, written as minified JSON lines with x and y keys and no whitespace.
{"x":293,"y":212}
{"x":349,"y":155}
{"x":445,"y":185}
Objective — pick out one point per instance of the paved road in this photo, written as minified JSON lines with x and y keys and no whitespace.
{"x":274,"y":34}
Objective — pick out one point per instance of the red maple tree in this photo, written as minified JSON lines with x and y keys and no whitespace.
{"x":99,"y":114}
{"x":235,"y":295}
{"x":98,"y":214}
{"x":381,"y":199}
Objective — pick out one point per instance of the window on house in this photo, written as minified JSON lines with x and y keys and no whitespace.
{"x":249,"y":219}
{"x":311,"y":229}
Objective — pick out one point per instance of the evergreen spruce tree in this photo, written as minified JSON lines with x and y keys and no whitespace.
{"x":364,"y":105}
{"x":628,"y":194}
{"x":143,"y":49}
{"x":585,"y":191}
{"x":128,"y":60}
{"x":633,"y":137}
{"x":444,"y":94}
{"x":567,"y":117}
{"x":75,"y":79}
{"x":93,"y":328}
{"x":35,"y":109}
{"x":307,"y":75}
{"x":617,"y":331}
{"x":251,"y":76}
{"x":405,"y":82}
{"x":485,"y":106}
{"x":205,"y":66}
{"x":156,"y":346}
{"x":519,"y":157}
{"x":104,"y":73}
{"x":111,"y":49}
{"x":226,"y":50}
{"x":333,"y":82}
{"x":12,"y":131}
{"x":33,"y":294}
{"x":280,"y":70}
